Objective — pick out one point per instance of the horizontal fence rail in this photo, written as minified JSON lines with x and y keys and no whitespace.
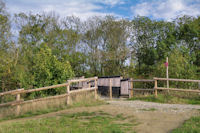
{"x":183,"y":80}
{"x":141,"y":80}
{"x":19,"y":101}
{"x":155,"y":80}
{"x":174,"y":89}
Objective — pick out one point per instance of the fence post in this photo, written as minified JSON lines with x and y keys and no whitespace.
{"x":110,"y":88}
{"x":95,"y":91}
{"x":155,"y":87}
{"x":131,"y":88}
{"x":89,"y":84}
{"x":68,"y":92}
{"x":18,"y":106}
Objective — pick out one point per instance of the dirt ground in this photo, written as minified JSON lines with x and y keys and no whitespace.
{"x":150,"y":117}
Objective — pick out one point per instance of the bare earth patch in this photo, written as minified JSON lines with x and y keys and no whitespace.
{"x":148,"y":117}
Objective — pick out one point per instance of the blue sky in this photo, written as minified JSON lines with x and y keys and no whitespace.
{"x":155,"y":9}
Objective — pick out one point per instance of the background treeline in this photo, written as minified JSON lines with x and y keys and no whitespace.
{"x":44,"y":49}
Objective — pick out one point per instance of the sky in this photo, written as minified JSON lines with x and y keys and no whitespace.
{"x":154,"y":9}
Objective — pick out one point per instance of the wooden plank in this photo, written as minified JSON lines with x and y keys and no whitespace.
{"x":110,"y":88}
{"x":142,"y":89}
{"x":81,"y":80}
{"x":41,"y":89}
{"x":131,"y":95}
{"x":10,"y":103}
{"x":116,"y":82}
{"x":40,"y":99}
{"x":68,"y":92}
{"x":176,"y":89}
{"x":141,"y":80}
{"x":171,"y":79}
{"x":11,"y":92}
{"x":18,"y":106}
{"x":82,"y":90}
{"x":155,"y":87}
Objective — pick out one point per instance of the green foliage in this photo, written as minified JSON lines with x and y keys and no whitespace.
{"x":179,"y":66}
{"x":46,"y":69}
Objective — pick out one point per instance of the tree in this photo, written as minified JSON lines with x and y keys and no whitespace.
{"x":8,"y":52}
{"x":46,"y":70}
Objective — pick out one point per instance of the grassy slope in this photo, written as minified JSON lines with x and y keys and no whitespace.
{"x":44,"y":111}
{"x":190,"y":126}
{"x":83,"y":122}
{"x":167,"y":99}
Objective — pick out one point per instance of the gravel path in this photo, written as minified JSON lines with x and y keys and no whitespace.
{"x":141,"y":105}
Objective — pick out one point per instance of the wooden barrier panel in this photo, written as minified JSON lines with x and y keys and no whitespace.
{"x":131,"y":91}
{"x":175,"y":89}
{"x":18,"y":92}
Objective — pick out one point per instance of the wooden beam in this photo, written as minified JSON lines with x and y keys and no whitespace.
{"x":110,"y":89}
{"x":40,"y":89}
{"x":68,"y":92}
{"x":11,"y":92}
{"x":142,"y":89}
{"x":40,"y":99}
{"x":171,"y":79}
{"x":10,"y":103}
{"x":82,"y":90}
{"x":141,"y":80}
{"x":155,"y":87}
{"x":176,"y":89}
{"x":81,"y":80}
{"x":131,"y":92}
{"x":18,"y":106}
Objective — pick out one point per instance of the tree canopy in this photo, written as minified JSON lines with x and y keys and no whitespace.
{"x":48,"y":50}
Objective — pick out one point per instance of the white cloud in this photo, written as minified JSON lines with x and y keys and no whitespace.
{"x":79,"y":8}
{"x":168,"y":9}
{"x":112,"y":2}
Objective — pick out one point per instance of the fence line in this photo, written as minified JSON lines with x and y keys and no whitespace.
{"x":174,"y":89}
{"x":18,"y":92}
{"x":156,"y":88}
{"x":131,"y":91}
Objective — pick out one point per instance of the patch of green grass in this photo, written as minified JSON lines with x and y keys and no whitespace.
{"x":44,"y":111}
{"x":161,"y":98}
{"x":151,"y":109}
{"x":83,"y":122}
{"x":190,"y":126}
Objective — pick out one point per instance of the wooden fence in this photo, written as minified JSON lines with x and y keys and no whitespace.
{"x":18,"y":92}
{"x":174,"y":89}
{"x":132,"y":89}
{"x":156,"y":88}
